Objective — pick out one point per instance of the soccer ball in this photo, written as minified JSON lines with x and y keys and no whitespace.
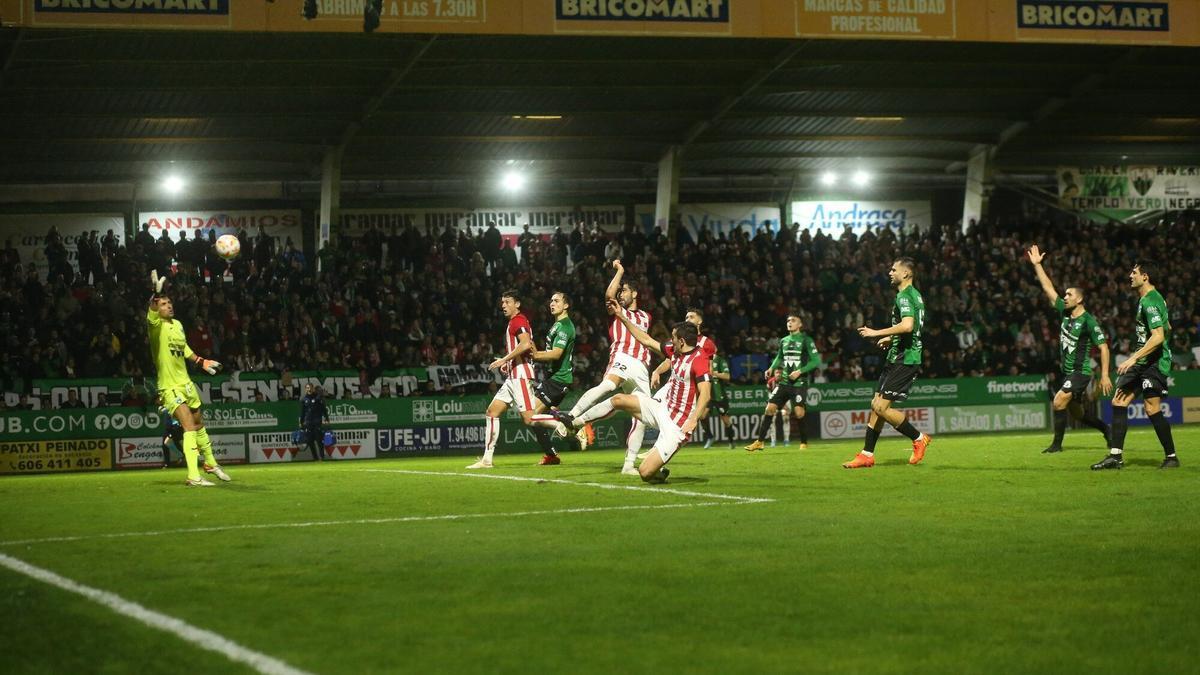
{"x":228,"y":246}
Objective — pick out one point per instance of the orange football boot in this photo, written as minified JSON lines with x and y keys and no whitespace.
{"x":860,"y":461}
{"x":919,"y":446}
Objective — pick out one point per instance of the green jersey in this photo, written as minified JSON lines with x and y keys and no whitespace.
{"x":1076,"y":338}
{"x":906,"y":347}
{"x":169,"y":347}
{"x":718,"y":364}
{"x":797,"y":352}
{"x":1151,"y":314}
{"x":562,"y":336}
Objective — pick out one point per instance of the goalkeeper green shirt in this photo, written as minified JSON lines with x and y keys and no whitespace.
{"x":718,"y":364}
{"x":562,"y":336}
{"x":1076,"y":338}
{"x":797,"y":352}
{"x":1151,"y":314}
{"x":169,"y":348}
{"x":906,"y":347}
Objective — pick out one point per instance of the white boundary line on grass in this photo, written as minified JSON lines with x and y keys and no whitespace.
{"x":204,"y":639}
{"x":360,"y":521}
{"x":602,"y":486}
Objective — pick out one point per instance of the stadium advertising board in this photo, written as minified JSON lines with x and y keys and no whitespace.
{"x":1012,"y":417}
{"x":81,"y":423}
{"x":28,"y":233}
{"x":1093,"y":21}
{"x":132,"y":13}
{"x":1191,"y":410}
{"x":146,"y":451}
{"x":1121,"y":191}
{"x":923,"y":19}
{"x":510,"y":220}
{"x":275,"y":447}
{"x":718,"y":218}
{"x":832,"y":217}
{"x":951,"y":391}
{"x":76,"y":454}
{"x":280,"y":225}
{"x":352,"y":444}
{"x":853,"y":423}
{"x":1172,"y":409}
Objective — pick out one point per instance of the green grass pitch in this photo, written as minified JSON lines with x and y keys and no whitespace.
{"x":989,"y":557}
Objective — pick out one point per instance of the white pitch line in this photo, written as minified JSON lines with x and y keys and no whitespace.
{"x":361,"y":521}
{"x":602,"y":486}
{"x":204,"y":639}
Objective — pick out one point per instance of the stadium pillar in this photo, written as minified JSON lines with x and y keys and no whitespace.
{"x":666,"y":205}
{"x":331,"y":194}
{"x":979,"y":184}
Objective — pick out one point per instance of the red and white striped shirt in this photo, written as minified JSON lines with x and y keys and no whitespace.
{"x":687,"y":372}
{"x":623,"y":341}
{"x":707,"y":345}
{"x":522,"y":368}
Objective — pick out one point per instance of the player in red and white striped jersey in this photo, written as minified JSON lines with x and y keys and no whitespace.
{"x":627,"y":363}
{"x":517,"y":363}
{"x":685,"y":400}
{"x":694,"y":316}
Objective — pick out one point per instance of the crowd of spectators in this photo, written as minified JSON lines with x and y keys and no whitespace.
{"x":407,"y":297}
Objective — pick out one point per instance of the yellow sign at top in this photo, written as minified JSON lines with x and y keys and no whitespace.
{"x":1157,"y":22}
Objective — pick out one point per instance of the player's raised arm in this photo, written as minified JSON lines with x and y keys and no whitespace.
{"x":1035,"y":258}
{"x":905,"y":326}
{"x":614,"y":287}
{"x":638,"y":334}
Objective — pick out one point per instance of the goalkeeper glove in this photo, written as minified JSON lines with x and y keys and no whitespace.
{"x":211,"y":367}
{"x":157,"y":282}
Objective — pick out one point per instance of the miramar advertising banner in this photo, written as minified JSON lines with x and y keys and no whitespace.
{"x":510,"y":220}
{"x":832,"y":217}
{"x":1129,"y":189}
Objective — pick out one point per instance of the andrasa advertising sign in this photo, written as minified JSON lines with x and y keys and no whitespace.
{"x":832,"y":217}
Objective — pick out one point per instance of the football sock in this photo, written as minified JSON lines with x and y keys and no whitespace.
{"x":869,"y":443}
{"x":763,"y":427}
{"x":1120,"y":425}
{"x":205,"y":446}
{"x":191,"y":455}
{"x":779,"y":438}
{"x":729,"y":433}
{"x":1163,"y":428}
{"x":909,"y":430}
{"x":543,"y":438}
{"x":633,"y":439}
{"x":803,"y":429}
{"x":1060,"y":427}
{"x":603,"y":409}
{"x":1089,"y":419}
{"x":592,"y":395}
{"x":712,"y":428}
{"x":545,"y":421}
{"x":492,"y":435}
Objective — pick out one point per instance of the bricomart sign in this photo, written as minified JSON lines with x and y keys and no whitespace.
{"x":1092,"y":15}
{"x":705,"y":11}
{"x":202,"y":7}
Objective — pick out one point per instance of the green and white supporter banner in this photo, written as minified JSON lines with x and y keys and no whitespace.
{"x":1119,"y":192}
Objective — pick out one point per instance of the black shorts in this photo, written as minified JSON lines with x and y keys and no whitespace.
{"x":895,"y":381}
{"x":721,"y":406}
{"x":1146,"y":380}
{"x":550,"y":392}
{"x":1075,"y":384}
{"x":788,"y":394}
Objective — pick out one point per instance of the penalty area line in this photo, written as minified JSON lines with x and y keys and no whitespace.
{"x":603,"y":486}
{"x":204,"y":639}
{"x":364,"y":521}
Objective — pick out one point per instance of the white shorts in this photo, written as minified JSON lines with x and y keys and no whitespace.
{"x":655,"y":415}
{"x":517,"y":394}
{"x":633,"y":374}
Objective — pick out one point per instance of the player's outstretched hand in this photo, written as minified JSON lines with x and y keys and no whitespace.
{"x":157,"y":282}
{"x":1125,"y":365}
{"x":884,"y":343}
{"x":1106,"y":385}
{"x":614,"y":307}
{"x":1035,"y":255}
{"x":867,"y":332}
{"x":211,"y":367}
{"x":655,"y":380}
{"x":617,"y":265}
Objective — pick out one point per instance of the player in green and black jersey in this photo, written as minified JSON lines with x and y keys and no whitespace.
{"x":796,"y":359}
{"x":903,"y":342}
{"x":1146,"y":371}
{"x":1078,"y":333}
{"x":558,"y":363}
{"x":721,"y":378}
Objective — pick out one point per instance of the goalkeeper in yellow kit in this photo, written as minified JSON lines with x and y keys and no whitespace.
{"x":170,"y":350}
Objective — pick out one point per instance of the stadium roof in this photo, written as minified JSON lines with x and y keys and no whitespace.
{"x":592,"y":115}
